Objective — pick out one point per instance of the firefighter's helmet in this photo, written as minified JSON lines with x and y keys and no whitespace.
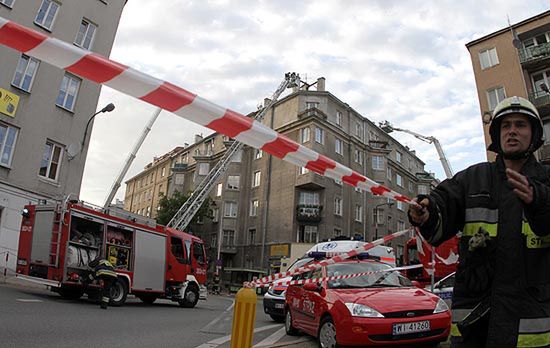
{"x":516,"y":105}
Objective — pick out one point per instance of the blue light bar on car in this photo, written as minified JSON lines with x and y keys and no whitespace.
{"x":323,"y":255}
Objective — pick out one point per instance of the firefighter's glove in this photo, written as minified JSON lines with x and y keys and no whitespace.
{"x":415,"y":213}
{"x":478,"y":240}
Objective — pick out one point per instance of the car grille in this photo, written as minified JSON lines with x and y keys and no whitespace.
{"x":409,"y":336}
{"x":407,"y":314}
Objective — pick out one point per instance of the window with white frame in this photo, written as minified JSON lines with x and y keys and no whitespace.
{"x":307,"y":234}
{"x":46,"y":14}
{"x":8,"y":137}
{"x":254,"y":204}
{"x":258,"y":153}
{"x":319,"y":135}
{"x":488,"y":58}
{"x":219,"y":189}
{"x":204,"y":168}
{"x":162,"y":173}
{"x":378,"y":162}
{"x":338,"y":147}
{"x":233,"y":182}
{"x":338,"y":206}
{"x":251,"y":236}
{"x":215,"y":214}
{"x":25,"y":72}
{"x":303,"y":170}
{"x":230,"y":209}
{"x":68,"y":92}
{"x":358,"y":156}
{"x":358,"y":129}
{"x":305,"y":134}
{"x":400,"y":225}
{"x":85,"y":36}
{"x":389,"y":173}
{"x":399,"y":180}
{"x":256,"y":179}
{"x":400,"y":205}
{"x":358,"y":213}
{"x":338,"y":118}
{"x":495,"y":96}
{"x":309,"y":198}
{"x":312,"y":105}
{"x":422,"y":189}
{"x":398,"y":156}
{"x":228,"y":238}
{"x":51,"y":161}
{"x":7,"y":3}
{"x":378,"y":216}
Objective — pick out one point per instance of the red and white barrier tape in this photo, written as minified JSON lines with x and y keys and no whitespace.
{"x":343,"y":276}
{"x":335,"y":259}
{"x":182,"y":103}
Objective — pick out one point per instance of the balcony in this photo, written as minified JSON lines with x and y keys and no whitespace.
{"x":534,"y":56}
{"x":308,"y":213}
{"x":313,"y":112}
{"x":228,"y":249}
{"x":179,"y":167}
{"x":541,"y":100}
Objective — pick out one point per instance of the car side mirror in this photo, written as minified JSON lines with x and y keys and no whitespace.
{"x":416,"y":284}
{"x":312,"y":287}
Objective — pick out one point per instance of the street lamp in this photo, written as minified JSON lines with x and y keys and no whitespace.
{"x":389,"y":204}
{"x":108,"y":108}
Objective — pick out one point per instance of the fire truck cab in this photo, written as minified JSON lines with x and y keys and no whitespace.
{"x":58,"y":241}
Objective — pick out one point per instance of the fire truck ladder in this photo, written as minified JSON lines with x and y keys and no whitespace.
{"x":188,"y":210}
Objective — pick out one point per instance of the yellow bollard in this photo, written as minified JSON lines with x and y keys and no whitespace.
{"x":244,"y":316}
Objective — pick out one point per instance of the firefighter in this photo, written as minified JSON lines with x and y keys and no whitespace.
{"x":501,"y":296}
{"x":104,"y":272}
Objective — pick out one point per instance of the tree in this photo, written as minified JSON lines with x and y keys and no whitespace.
{"x":168,"y":207}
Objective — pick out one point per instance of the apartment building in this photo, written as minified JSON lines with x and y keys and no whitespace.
{"x":267,"y":212}
{"x":514,"y":61}
{"x":44,"y":110}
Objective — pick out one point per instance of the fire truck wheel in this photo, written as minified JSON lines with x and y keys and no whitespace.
{"x":70,"y":293}
{"x":149,"y":299}
{"x":119,"y":291}
{"x":191,"y":297}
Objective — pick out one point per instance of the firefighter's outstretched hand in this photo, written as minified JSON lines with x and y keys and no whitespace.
{"x":521,"y":185}
{"x":419,"y":213}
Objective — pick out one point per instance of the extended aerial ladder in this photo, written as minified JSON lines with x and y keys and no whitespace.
{"x":388,"y":128}
{"x":188,"y":210}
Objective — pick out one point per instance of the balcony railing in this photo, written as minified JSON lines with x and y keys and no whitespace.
{"x":179,"y":167}
{"x":541,"y":100}
{"x":308,"y":212}
{"x":228,"y":249}
{"x":534,"y":53}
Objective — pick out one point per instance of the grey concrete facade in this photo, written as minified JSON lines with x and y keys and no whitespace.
{"x":26,"y":174}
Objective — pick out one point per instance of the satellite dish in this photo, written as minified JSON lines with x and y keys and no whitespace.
{"x":517,"y":43}
{"x":73,"y":150}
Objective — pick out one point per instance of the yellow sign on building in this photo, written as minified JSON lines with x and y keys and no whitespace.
{"x":279,"y":250}
{"x":8,"y":102}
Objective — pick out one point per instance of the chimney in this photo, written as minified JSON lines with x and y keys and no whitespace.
{"x":321,"y":84}
{"x":266,"y":101}
{"x":198,"y":138}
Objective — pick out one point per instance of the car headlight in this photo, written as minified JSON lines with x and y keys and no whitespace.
{"x":270,"y":290}
{"x":440,"y":307}
{"x":359,"y":310}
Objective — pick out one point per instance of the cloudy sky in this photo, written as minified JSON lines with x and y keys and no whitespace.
{"x":402,"y":61}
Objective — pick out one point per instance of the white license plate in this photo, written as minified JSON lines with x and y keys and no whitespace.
{"x":405,"y":328}
{"x":279,"y":305}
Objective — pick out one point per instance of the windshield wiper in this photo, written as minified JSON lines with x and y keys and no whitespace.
{"x":381,"y":278}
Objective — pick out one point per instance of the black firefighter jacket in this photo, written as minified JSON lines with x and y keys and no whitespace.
{"x":512,"y":266}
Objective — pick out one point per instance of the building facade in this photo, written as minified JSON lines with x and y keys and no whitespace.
{"x":44,"y":110}
{"x":514,"y":61}
{"x":266,"y":211}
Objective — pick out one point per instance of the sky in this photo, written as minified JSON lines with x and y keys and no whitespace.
{"x":401,"y":61}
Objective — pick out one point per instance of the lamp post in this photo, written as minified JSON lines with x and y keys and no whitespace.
{"x":108,"y":108}
{"x":389,"y":204}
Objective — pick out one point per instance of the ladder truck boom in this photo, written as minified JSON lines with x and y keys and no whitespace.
{"x":188,"y":210}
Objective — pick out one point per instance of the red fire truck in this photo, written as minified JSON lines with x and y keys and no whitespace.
{"x":152,"y":261}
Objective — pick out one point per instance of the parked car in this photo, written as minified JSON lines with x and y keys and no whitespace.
{"x":444,"y":288}
{"x":379,"y":309}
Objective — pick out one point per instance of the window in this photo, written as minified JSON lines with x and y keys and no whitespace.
{"x":337,"y":232}
{"x":358,"y":213}
{"x":358,"y":156}
{"x":251,"y":236}
{"x":228,"y":237}
{"x":377,"y":162}
{"x":495,"y":96}
{"x":209,"y":147}
{"x":179,"y":179}
{"x":378,"y":216}
{"x":254,"y":207}
{"x":338,"y":206}
{"x":214,"y":240}
{"x":68,"y":92}
{"x":153,"y":177}
{"x":51,"y":159}
{"x":303,"y":170}
{"x":400,"y":205}
{"x":422,"y":190}
{"x":488,"y":58}
{"x":309,"y":198}
{"x":389,"y":173}
{"x":149,"y":211}
{"x":163,"y":172}
{"x":305,"y":134}
{"x":215,"y":215}
{"x":233,"y":182}
{"x":312,"y":105}
{"x":256,"y":179}
{"x":398,"y":156}
{"x":399,"y":180}
{"x":46,"y":14}
{"x":319,"y":135}
{"x":400,"y":225}
{"x":85,"y":35}
{"x":258,"y":154}
{"x":307,"y":234}
{"x":204,"y":168}
{"x":219,"y":188}
{"x":177,"y":249}
{"x":230,"y":209}
{"x":338,"y":118}
{"x":358,"y":129}
{"x":411,"y":186}
{"x":24,"y":73}
{"x":8,"y":137}
{"x":8,"y":3}
{"x":338,"y":148}
{"x":237,"y":157}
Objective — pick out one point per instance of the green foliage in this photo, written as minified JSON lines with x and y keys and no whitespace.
{"x":169,"y":206}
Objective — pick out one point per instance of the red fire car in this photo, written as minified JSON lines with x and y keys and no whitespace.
{"x":378,"y":309}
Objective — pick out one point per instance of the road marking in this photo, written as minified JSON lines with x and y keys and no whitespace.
{"x":213,"y":322}
{"x":27,"y":300}
{"x":274,"y":338}
{"x":216,"y":342}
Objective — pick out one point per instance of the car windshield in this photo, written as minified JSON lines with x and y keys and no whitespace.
{"x":300,"y":263}
{"x":379,"y":279}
